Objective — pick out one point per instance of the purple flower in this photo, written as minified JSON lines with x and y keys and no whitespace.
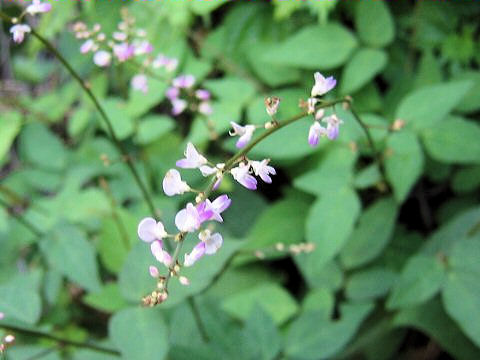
{"x":205,"y":108}
{"x":102,"y":58}
{"x":333,"y":124}
{"x":161,"y":255}
{"x":38,"y":7}
{"x":207,"y":170}
{"x":188,"y":219}
{"x":214,"y":208}
{"x":140,"y":82}
{"x":173,"y":184}
{"x":213,"y":242}
{"x":18,"y":32}
{"x":87,"y":46}
{"x":143,"y":48}
{"x":153,"y":271}
{"x":184,"y":81}
{"x":178,"y":106}
{"x":172,"y":93}
{"x":150,"y":230}
{"x":192,"y":158}
{"x":202,"y":94}
{"x":171,"y":64}
{"x":322,"y":85}
{"x":242,"y":175}
{"x":197,"y":252}
{"x":316,"y":130}
{"x":262,"y":169}
{"x":245,"y":133}
{"x":123,"y":51}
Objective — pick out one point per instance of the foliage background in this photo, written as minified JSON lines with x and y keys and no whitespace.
{"x":395,"y":271}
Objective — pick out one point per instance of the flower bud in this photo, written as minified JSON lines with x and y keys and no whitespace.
{"x":271,"y":104}
{"x":184,"y":280}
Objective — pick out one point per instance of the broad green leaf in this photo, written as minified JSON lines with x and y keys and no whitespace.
{"x":334,"y":171}
{"x":231,"y":89}
{"x":330,"y":222}
{"x":79,"y":121}
{"x":139,"y":333}
{"x":404,"y":163}
{"x":121,"y":122}
{"x":261,"y":335}
{"x":9,"y":128}
{"x":314,"y":47}
{"x":152,"y":127}
{"x":39,"y":146}
{"x":419,"y":281}
{"x":367,"y":177}
{"x":139,"y":104}
{"x":321,"y":301}
{"x":108,"y":299}
{"x":362,"y":68}
{"x":466,"y":179}
{"x":20,"y":301}
{"x":312,"y":337}
{"x":319,"y":275}
{"x":372,"y":234}
{"x":374,"y":23}
{"x":369,"y":284}
{"x":454,"y":140}
{"x":461,"y":293}
{"x":272,"y":298}
{"x":471,"y":100}
{"x":431,"y":319}
{"x":425,"y":107}
{"x":68,"y":250}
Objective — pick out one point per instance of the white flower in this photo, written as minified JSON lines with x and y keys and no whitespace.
{"x":322,"y":85}
{"x":245,"y":133}
{"x":150,"y":230}
{"x":213,"y":242}
{"x":87,"y":46}
{"x":262,"y":169}
{"x":311,"y":105}
{"x":315,"y":132}
{"x":161,"y":255}
{"x":197,"y":252}
{"x":173,"y":184}
{"x":102,"y":58}
{"x":18,"y":32}
{"x":188,"y":219}
{"x":140,"y":82}
{"x":38,"y":7}
{"x":192,"y":158}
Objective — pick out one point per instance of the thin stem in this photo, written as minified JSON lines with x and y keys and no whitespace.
{"x":198,"y":319}
{"x":60,"y":340}
{"x":22,"y":219}
{"x":105,"y":118}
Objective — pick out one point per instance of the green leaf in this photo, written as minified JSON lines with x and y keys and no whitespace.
{"x":152,"y":127}
{"x":369,"y":284}
{"x":454,"y":140}
{"x":21,"y":301}
{"x":404,"y":163}
{"x":321,"y":301}
{"x":272,"y":298}
{"x":372,"y":234}
{"x":314,"y":47}
{"x":9,"y":128}
{"x":312,"y":337}
{"x":374,"y":23}
{"x":420,"y":280}
{"x":367,"y":177}
{"x":139,"y":333}
{"x":261,"y":335}
{"x":334,"y":171}
{"x":471,"y":101}
{"x":68,"y":251}
{"x":330,"y":222}
{"x":361,"y":69}
{"x":425,"y":107}
{"x":461,"y":293}
{"x":232,"y":89}
{"x":319,"y":275}
{"x":39,"y":146}
{"x":138,"y":104}
{"x":108,"y":299}
{"x":79,"y":121}
{"x":431,"y":319}
{"x":121,"y":122}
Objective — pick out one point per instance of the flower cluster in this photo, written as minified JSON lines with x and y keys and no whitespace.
{"x":19,"y":30}
{"x":182,"y":96}
{"x":322,"y":86}
{"x":7,"y":340}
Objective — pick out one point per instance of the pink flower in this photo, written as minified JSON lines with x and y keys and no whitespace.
{"x":322,"y":85}
{"x":216,"y":207}
{"x":102,"y":58}
{"x":123,"y":51}
{"x":171,"y":64}
{"x":315,"y":132}
{"x":172,"y":93}
{"x":205,"y":108}
{"x":213,"y":242}
{"x":184,"y":81}
{"x":193,"y":159}
{"x":262,"y":169}
{"x":178,"y":106}
{"x":197,"y":252}
{"x":143,"y":48}
{"x":38,"y":7}
{"x":87,"y":46}
{"x":18,"y":32}
{"x":242,"y":175}
{"x":173,"y":184}
{"x":153,"y":270}
{"x":161,"y":255}
{"x":202,"y":94}
{"x":140,"y":82}
{"x":188,"y":219}
{"x":245,"y":133}
{"x":2,"y":315}
{"x":150,"y":230}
